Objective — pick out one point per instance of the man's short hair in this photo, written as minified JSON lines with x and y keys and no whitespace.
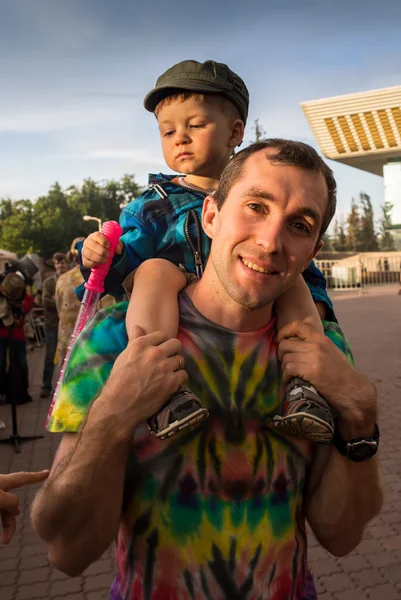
{"x":59,"y":256}
{"x":286,"y":152}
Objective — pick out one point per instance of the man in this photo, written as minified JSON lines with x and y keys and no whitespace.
{"x":67,"y":303}
{"x":51,"y":322}
{"x":218,"y":511}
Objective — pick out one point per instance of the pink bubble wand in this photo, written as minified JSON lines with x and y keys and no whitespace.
{"x":94,"y":287}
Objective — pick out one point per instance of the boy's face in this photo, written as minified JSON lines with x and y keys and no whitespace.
{"x":197,"y":138}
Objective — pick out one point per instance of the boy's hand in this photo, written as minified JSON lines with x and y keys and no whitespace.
{"x":9,"y":503}
{"x":95,"y":250}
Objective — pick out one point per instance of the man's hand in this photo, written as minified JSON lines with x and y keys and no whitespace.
{"x":9,"y":503}
{"x":143,"y":377}
{"x":95,"y":250}
{"x":307,"y":353}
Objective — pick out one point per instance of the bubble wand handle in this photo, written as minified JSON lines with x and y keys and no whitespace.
{"x":112,"y":230}
{"x":94,"y":288}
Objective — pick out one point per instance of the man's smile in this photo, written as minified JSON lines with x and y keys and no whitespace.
{"x":259,"y":268}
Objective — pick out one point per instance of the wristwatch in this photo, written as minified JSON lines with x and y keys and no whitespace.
{"x":359,"y":449}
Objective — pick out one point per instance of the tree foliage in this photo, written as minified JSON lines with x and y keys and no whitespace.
{"x":353,"y":236}
{"x":358,"y":233}
{"x":368,"y":234}
{"x":51,"y":222}
{"x":386,"y":239}
{"x":260,"y":133}
{"x":339,"y":237}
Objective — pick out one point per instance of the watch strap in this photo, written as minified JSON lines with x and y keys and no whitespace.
{"x":346,"y":447}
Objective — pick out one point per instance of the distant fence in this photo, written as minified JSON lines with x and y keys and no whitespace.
{"x":361,"y":271}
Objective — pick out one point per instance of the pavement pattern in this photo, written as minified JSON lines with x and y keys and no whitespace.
{"x":372,"y":571}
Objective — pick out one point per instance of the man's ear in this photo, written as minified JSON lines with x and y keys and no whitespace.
{"x":237,"y":133}
{"x":209,"y":216}
{"x":316,"y":249}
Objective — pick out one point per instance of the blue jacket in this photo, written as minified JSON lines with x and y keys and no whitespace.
{"x":165,"y":222}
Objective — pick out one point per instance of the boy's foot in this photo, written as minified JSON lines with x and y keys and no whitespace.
{"x":305,"y":413}
{"x":45,"y":393}
{"x":183,"y":409}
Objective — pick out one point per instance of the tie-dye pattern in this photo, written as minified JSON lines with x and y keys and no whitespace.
{"x":216,"y":512}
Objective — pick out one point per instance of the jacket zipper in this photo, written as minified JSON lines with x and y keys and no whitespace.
{"x":196,"y":250}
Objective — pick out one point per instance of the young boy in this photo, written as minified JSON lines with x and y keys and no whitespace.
{"x":201,"y":110}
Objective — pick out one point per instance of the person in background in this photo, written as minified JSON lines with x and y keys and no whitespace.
{"x":37,"y":299}
{"x":51,"y":321}
{"x":67,"y":303}
{"x":15,"y":303}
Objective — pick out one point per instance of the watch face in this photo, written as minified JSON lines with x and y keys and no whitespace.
{"x":361,"y":451}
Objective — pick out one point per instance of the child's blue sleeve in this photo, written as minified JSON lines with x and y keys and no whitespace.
{"x":317,"y":284}
{"x":139,"y":246}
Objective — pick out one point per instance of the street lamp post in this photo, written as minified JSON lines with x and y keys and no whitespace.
{"x":89,"y":218}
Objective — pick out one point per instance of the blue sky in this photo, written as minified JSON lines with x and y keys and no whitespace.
{"x":73,"y":74}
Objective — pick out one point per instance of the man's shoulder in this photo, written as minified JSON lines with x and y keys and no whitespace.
{"x":49,"y":282}
{"x":333,"y":331}
{"x":89,"y":367}
{"x":106,"y":331}
{"x":49,"y":279}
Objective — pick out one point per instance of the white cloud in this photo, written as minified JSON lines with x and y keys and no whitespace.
{"x":29,"y":119}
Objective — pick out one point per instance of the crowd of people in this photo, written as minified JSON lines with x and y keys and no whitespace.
{"x":59,"y":306}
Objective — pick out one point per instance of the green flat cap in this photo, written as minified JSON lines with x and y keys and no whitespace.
{"x":208,"y":77}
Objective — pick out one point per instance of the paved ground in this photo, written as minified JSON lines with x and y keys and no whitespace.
{"x":372,"y":571}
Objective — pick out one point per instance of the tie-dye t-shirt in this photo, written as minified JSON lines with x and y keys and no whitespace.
{"x":215,"y":512}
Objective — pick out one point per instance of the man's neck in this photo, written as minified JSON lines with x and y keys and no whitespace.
{"x":218,"y":307}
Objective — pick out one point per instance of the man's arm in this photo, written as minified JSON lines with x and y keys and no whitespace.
{"x":58,"y":296}
{"x":342,"y":495}
{"x":78,"y":511}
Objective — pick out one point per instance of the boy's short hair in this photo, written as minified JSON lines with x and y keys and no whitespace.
{"x":226,"y":106}
{"x":210,"y":77}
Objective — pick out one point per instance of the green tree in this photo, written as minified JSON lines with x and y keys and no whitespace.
{"x":129,"y":189}
{"x":353,"y":228}
{"x":386,"y":239}
{"x":339,"y":237}
{"x":368,"y":234}
{"x":17,"y":230}
{"x":328,"y":243}
{"x":55,"y":219}
{"x":260,"y":133}
{"x":55,"y":222}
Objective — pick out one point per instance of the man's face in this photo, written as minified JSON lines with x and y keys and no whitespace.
{"x":195,"y":137}
{"x":266,"y":232}
{"x":60,"y":266}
